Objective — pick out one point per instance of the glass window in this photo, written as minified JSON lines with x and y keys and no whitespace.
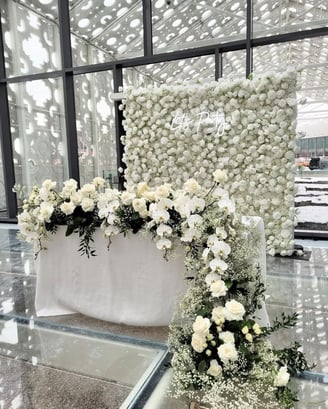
{"x":95,"y":120}
{"x":106,"y":30}
{"x":278,"y":17}
{"x":234,"y":64}
{"x":198,"y":68}
{"x":38,"y":131}
{"x":187,"y":24}
{"x":31,"y":40}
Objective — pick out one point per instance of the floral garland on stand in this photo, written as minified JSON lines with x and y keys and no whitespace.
{"x":220,"y":351}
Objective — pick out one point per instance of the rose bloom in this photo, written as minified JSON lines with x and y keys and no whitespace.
{"x":217,"y":315}
{"x":139,"y":205}
{"x":46,"y":211}
{"x":163,"y":191}
{"x":87,"y":204}
{"x":201,"y":326}
{"x":49,"y":184}
{"x":233,"y":311}
{"x":227,"y":337}
{"x":88,"y":190}
{"x":220,"y":176}
{"x":67,"y":208}
{"x":215,"y":369}
{"x":282,"y":377}
{"x":198,"y":342}
{"x":142,"y":187}
{"x":98,"y":181}
{"x":127,"y":197}
{"x":227,"y":352}
{"x":218,"y":288}
{"x":191,"y":186}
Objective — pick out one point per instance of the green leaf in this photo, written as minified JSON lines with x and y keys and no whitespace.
{"x":202,"y":366}
{"x":70,"y":229}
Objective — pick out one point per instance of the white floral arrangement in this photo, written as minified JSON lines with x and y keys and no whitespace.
{"x":246,"y":126}
{"x":221,"y":353}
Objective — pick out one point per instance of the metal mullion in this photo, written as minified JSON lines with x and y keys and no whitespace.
{"x":249,"y":35}
{"x":147,"y":27}
{"x":218,"y":64}
{"x":32,"y":77}
{"x":119,"y":130}
{"x":5,"y":139}
{"x":68,"y":89}
{"x":288,"y":37}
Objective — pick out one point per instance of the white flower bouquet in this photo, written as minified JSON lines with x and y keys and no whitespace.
{"x":220,"y":350}
{"x":221,"y":353}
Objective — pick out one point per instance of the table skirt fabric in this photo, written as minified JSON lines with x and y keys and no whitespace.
{"x":131,"y":283}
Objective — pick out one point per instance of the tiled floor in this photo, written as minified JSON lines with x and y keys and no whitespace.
{"x":77,"y":362}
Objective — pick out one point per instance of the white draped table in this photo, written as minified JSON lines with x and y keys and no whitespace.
{"x":131,"y":283}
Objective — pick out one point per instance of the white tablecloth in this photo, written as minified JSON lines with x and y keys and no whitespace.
{"x":130,"y":284}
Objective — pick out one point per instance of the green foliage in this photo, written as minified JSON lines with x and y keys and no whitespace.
{"x":129,"y":219}
{"x":286,"y":321}
{"x":287,"y":397}
{"x":294,"y":359}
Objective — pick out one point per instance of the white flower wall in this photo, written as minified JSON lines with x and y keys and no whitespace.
{"x":246,"y":127}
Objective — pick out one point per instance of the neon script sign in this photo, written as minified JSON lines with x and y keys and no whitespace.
{"x":209,"y":122}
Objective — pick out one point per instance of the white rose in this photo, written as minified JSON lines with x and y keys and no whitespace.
{"x":215,"y":369}
{"x":98,"y":182}
{"x":76,"y":198}
{"x":220,"y":176}
{"x":233,"y":311}
{"x":191,"y":186}
{"x":227,"y":352}
{"x":127,"y":197}
{"x":49,"y":184}
{"x":46,"y":210}
{"x":163,"y":191}
{"x":282,"y":377}
{"x":67,"y":208}
{"x":201,"y":326}
{"x":88,"y":190}
{"x":139,"y":205}
{"x":142,"y":188}
{"x":218,"y":288}
{"x":198,"y":342}
{"x":217,"y":315}
{"x":87,"y":204}
{"x":227,"y":337}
